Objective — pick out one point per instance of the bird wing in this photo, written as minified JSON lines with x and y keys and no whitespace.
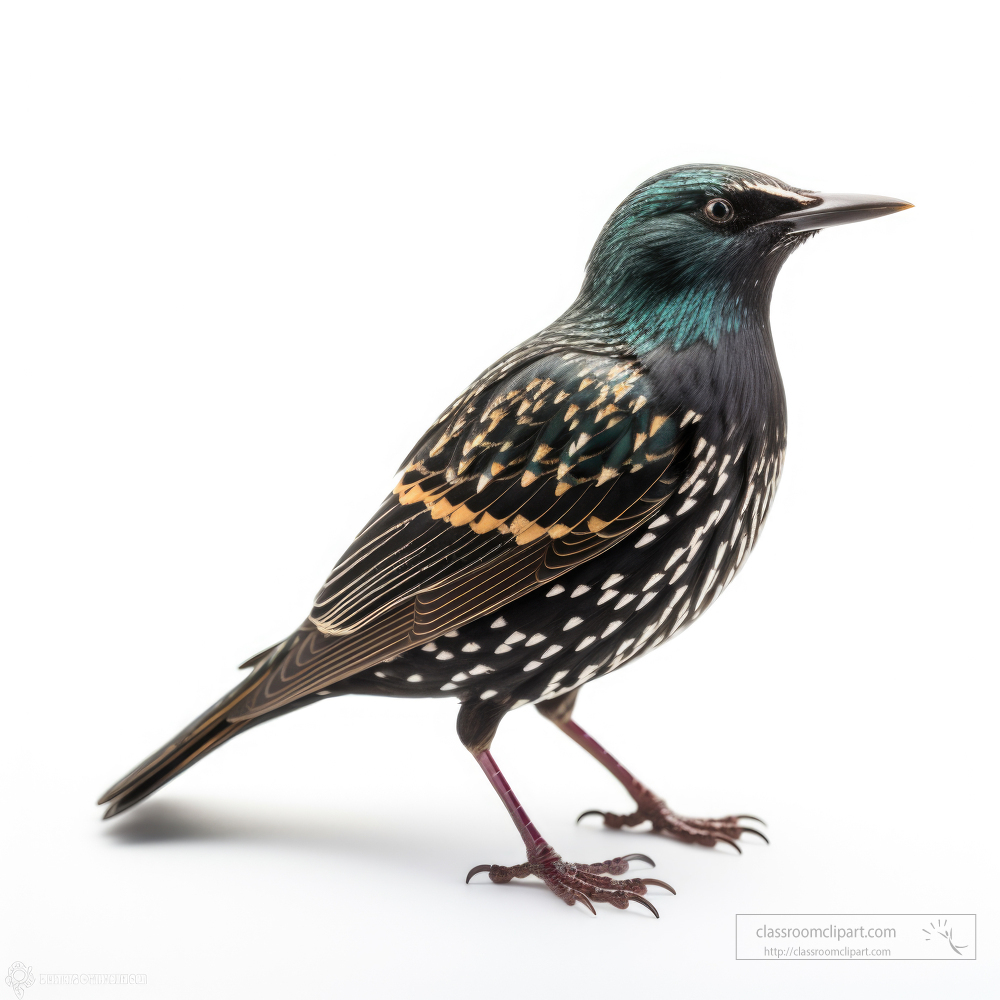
{"x":541,"y":465}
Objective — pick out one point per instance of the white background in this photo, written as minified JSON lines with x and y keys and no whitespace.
{"x":247,"y":253}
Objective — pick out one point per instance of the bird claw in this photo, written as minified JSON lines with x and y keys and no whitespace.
{"x":476,"y":871}
{"x":645,"y":902}
{"x":707,"y":832}
{"x":638,"y":857}
{"x":656,"y":881}
{"x":580,"y":883}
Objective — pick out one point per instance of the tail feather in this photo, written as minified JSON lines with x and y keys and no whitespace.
{"x":208,"y":731}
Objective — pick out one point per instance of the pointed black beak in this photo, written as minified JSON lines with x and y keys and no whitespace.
{"x":838,"y":210}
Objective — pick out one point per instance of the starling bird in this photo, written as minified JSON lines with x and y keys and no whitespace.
{"x":585,"y":499}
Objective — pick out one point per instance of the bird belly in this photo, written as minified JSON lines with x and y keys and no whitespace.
{"x":601,"y":614}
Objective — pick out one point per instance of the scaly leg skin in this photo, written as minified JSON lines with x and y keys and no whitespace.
{"x":666,"y":822}
{"x":571,"y":883}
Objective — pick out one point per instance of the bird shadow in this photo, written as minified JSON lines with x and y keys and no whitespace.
{"x":176,"y":821}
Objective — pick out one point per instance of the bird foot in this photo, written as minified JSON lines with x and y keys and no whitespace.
{"x":667,"y":823}
{"x":580,"y":883}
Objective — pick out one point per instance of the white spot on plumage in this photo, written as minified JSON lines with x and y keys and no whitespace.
{"x":445,"y":655}
{"x":679,"y":572}
{"x":463,"y":676}
{"x":652,"y":581}
{"x":687,"y":418}
{"x":611,"y":627}
{"x":499,"y":623}
{"x":453,"y":634}
{"x":557,"y":589}
{"x":502,"y":648}
{"x":581,"y":589}
{"x":677,"y":554}
{"x":681,"y":615}
{"x":553,"y":684}
{"x":625,"y":645}
{"x":646,"y":539}
{"x":697,"y":486}
{"x":646,"y":599}
{"x":535,"y":639}
{"x":572,"y":623}
{"x":743,"y":545}
{"x":449,"y":686}
{"x":514,"y":637}
{"x":323,"y":692}
{"x":584,"y":643}
{"x":431,"y":647}
{"x":489,"y":693}
{"x":687,"y":505}
{"x":607,"y":596}
{"x":415,"y":678}
{"x":705,"y":589}
{"x":519,"y":703}
{"x":479,"y":670}
{"x":660,"y":521}
{"x":626,"y":599}
{"x":533,"y":665}
{"x":694,"y":475}
{"x":699,"y":446}
{"x":378,"y":673}
{"x":612,"y":580}
{"x":471,"y":647}
{"x":550,"y":651}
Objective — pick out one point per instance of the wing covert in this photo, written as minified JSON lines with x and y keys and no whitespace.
{"x":522,"y":479}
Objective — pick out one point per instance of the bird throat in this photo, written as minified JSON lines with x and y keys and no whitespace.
{"x":651,"y":308}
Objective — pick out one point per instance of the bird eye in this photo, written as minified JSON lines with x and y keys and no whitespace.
{"x":719,"y":210}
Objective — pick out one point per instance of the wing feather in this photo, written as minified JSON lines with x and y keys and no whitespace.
{"x":523,"y":478}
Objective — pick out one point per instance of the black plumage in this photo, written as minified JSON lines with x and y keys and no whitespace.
{"x":590,"y":495}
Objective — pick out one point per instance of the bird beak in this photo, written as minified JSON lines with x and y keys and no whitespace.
{"x":838,"y":210}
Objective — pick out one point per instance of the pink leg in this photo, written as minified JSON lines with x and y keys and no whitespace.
{"x":571,"y":883}
{"x":707,"y":832}
{"x":533,"y":840}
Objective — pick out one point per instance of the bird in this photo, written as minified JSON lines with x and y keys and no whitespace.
{"x":587,"y":497}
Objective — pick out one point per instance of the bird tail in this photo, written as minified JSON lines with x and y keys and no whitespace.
{"x":208,"y":731}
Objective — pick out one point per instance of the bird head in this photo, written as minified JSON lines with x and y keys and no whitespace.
{"x":693,"y":252}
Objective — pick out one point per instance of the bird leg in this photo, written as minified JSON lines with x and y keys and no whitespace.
{"x":650,"y":806}
{"x":570,"y":882}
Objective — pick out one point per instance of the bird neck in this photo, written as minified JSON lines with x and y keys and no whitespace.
{"x":644,"y":320}
{"x":672,"y":301}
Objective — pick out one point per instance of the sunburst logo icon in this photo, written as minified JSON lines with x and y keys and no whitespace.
{"x":941,"y":929}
